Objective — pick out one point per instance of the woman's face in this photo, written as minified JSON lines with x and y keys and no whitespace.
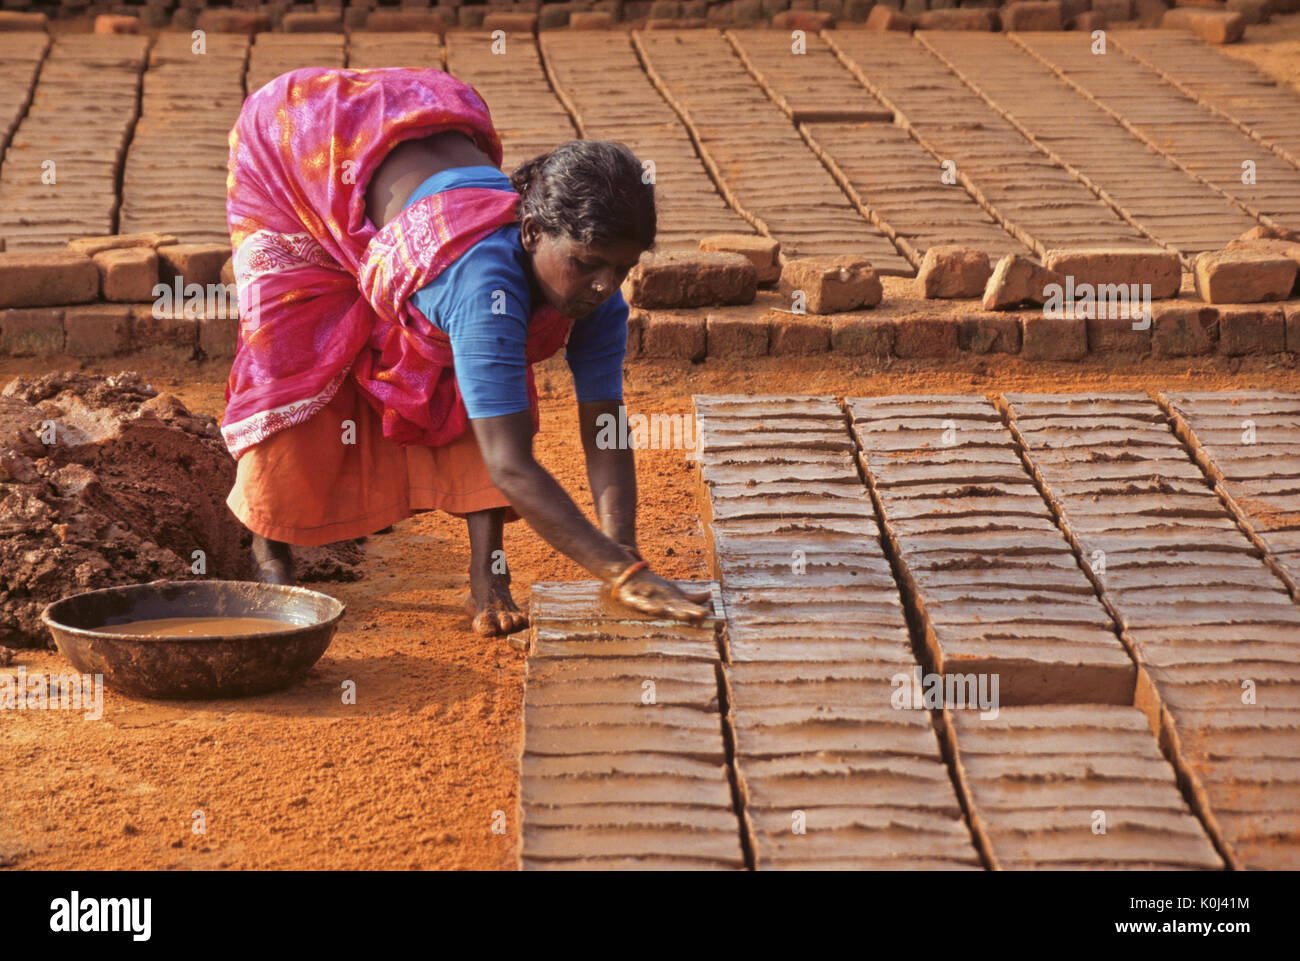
{"x":576,"y":278}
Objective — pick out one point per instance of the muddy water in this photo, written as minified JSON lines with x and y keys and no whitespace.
{"x":192,"y":626}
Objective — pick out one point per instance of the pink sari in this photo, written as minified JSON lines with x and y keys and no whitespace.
{"x":323,"y":295}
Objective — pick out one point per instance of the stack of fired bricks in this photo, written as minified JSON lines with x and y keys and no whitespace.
{"x":1128,"y":582}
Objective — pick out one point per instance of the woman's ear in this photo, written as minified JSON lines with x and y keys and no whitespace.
{"x":529,"y":232}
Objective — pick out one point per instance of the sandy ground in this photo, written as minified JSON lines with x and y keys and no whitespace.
{"x":412,"y":775}
{"x":1274,"y":47}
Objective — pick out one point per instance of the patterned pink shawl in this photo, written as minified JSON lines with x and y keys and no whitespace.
{"x":323,"y":295}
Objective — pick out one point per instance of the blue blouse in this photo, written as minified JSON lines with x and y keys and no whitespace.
{"x":482,"y":302}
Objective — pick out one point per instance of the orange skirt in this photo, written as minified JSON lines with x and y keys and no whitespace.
{"x":305,"y":485}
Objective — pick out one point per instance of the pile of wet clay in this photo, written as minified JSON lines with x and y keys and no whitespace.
{"x":105,"y":481}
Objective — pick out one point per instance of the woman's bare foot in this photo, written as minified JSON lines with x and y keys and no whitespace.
{"x":492,"y":611}
{"x":272,"y":561}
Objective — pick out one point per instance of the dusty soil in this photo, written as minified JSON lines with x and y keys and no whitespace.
{"x":411,"y":775}
{"x":105,"y":481}
{"x":1274,"y":47}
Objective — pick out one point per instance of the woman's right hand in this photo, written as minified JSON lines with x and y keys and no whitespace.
{"x":649,"y":593}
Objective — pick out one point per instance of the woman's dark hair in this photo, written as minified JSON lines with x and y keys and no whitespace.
{"x":593,"y":191}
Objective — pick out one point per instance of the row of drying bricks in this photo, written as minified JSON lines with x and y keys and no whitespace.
{"x":79,"y":82}
{"x":833,"y":765}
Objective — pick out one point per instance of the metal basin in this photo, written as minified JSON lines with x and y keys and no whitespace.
{"x":199,"y":666}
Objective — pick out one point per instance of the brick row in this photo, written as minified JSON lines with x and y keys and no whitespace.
{"x":765,"y":169}
{"x":277,"y":53}
{"x":623,"y":762}
{"x":1020,"y":185}
{"x":1249,"y":441}
{"x":633,"y":112}
{"x":1208,"y":146}
{"x":21,"y":54}
{"x":1215,"y":629}
{"x":1076,"y":787}
{"x":887,"y":172}
{"x":995,"y":581}
{"x":832,"y":773}
{"x":1268,"y":110}
{"x":527,"y":114}
{"x":59,"y":177}
{"x":191,"y":98}
{"x":368,"y":50}
{"x":1170,"y":206}
{"x":810,"y":85}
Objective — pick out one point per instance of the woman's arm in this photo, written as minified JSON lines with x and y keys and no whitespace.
{"x":506,"y":443}
{"x":611,"y":471}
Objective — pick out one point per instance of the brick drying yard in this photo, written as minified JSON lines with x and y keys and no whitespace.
{"x":909,"y":463}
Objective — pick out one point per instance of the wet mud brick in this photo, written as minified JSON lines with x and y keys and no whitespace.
{"x":1167,"y":119}
{"x":1247,"y":765}
{"x":525,"y":111}
{"x":1041,"y":779}
{"x":1170,"y":205}
{"x":763,"y":167}
{"x":834,"y":775}
{"x":1234,"y":89}
{"x":582,"y":620}
{"x":831,"y":773}
{"x":21,"y":54}
{"x":191,"y":98}
{"x":1249,"y":442}
{"x":633,"y":112}
{"x":1034,"y":626}
{"x":79,"y":120}
{"x":1206,"y":615}
{"x":1154,"y":501}
{"x":811,"y":86}
{"x":886,"y":172}
{"x":1042,"y":204}
{"x":275,"y":53}
{"x":623,"y":762}
{"x":371,"y":49}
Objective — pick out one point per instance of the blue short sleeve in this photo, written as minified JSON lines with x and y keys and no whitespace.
{"x":481,"y":302}
{"x":596,"y":350}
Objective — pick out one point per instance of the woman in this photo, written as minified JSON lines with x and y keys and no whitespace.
{"x":395,"y":289}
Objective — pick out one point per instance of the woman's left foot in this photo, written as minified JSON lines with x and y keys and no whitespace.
{"x":492,"y":611}
{"x":272,"y":561}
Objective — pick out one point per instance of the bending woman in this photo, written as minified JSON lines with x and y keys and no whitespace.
{"x":395,"y":288}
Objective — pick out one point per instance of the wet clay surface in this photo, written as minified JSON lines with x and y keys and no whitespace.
{"x":201,"y":626}
{"x":623,"y":757}
{"x":1038,"y":776}
{"x":106,"y":480}
{"x":410,"y":776}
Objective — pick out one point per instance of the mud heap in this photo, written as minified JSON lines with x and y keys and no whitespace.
{"x":105,"y":481}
